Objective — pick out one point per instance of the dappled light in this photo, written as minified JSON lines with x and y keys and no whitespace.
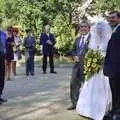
{"x":44,"y":97}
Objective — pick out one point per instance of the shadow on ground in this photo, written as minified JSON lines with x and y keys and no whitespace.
{"x":42,"y":97}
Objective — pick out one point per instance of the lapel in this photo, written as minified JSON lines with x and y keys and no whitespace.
{"x":115,"y":29}
{"x":47,"y":36}
{"x":86,"y":41}
{"x":78,"y":41}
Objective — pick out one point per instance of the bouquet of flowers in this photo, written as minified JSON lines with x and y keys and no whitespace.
{"x":14,"y":47}
{"x":92,"y":63}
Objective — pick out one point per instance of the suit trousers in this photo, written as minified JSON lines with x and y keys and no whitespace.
{"x":115,"y":88}
{"x":2,"y":72}
{"x":76,"y":82}
{"x":51,"y":62}
{"x":30,"y":65}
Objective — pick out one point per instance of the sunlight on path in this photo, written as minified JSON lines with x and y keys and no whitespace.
{"x":43,"y":97}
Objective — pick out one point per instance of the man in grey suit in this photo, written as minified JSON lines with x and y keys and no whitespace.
{"x":79,"y":50}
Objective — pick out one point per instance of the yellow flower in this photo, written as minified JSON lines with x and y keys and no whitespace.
{"x":89,"y":70}
{"x":90,"y":60}
{"x":94,"y":60}
{"x":94,"y":65}
{"x":86,"y":77}
{"x":86,"y":69}
{"x":37,"y":46}
{"x":88,"y":64}
{"x":86,"y":57}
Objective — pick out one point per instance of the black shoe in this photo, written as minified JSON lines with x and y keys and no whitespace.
{"x":116,"y":117}
{"x":0,"y":103}
{"x":14,"y":73}
{"x":32,"y":74}
{"x":9,"y":79}
{"x":44,"y":72}
{"x":3,"y":100}
{"x":27,"y":74}
{"x":108,"y":116}
{"x":71,"y":107}
{"x":53,"y":72}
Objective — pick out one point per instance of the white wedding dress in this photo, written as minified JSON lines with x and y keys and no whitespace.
{"x":95,"y":97}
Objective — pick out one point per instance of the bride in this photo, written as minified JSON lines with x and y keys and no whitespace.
{"x":95,"y":98}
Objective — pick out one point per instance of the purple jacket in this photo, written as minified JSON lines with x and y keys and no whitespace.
{"x":3,"y":40}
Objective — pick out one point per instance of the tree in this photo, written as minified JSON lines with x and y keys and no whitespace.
{"x":103,"y":6}
{"x":62,"y":15}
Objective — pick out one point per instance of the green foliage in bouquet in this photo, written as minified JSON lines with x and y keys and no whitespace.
{"x":92,"y":63}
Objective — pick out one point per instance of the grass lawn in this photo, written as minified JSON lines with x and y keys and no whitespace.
{"x":38,"y":60}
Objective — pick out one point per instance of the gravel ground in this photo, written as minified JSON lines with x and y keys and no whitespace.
{"x":42,"y":97}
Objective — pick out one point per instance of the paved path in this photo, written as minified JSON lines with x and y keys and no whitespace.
{"x":42,"y":97}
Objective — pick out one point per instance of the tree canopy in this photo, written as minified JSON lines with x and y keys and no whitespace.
{"x":59,"y":14}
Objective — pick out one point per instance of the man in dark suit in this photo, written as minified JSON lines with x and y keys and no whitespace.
{"x":2,"y":62}
{"x":47,"y":40}
{"x":112,"y":61}
{"x":79,"y":50}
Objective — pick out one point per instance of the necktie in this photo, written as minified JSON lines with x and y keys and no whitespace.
{"x":81,"y":44}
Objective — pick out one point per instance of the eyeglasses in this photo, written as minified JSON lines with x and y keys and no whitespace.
{"x":112,"y":17}
{"x":83,"y":26}
{"x":15,"y":31}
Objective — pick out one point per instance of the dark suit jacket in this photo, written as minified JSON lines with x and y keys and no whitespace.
{"x":47,"y":49}
{"x":76,"y":49}
{"x":29,"y":43}
{"x":78,"y":69}
{"x":112,"y":59}
{"x":3,"y":42}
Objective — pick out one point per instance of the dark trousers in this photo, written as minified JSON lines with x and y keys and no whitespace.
{"x":51,"y":62}
{"x":76,"y":82}
{"x":115,"y":88}
{"x":30,"y":65}
{"x":2,"y":72}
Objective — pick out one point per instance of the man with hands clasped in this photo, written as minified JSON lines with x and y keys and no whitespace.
{"x":47,"y":40}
